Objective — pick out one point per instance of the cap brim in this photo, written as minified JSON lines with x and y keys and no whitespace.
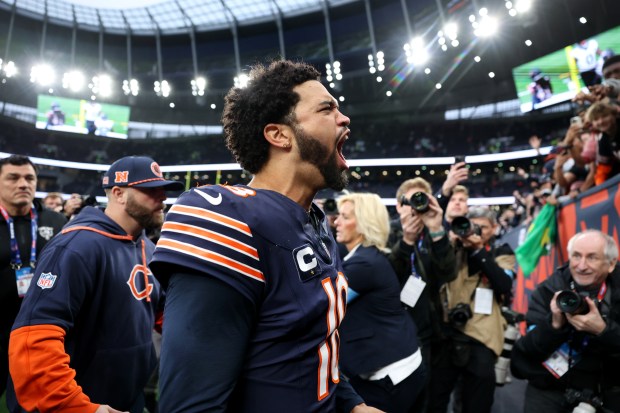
{"x":167,"y":185}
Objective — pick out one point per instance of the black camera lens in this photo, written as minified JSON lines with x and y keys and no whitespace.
{"x":572,"y":302}
{"x":419,"y":202}
{"x":463,"y":227}
{"x":459,"y":315}
{"x":330,"y":207}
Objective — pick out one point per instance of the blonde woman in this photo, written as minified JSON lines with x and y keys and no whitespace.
{"x":379,"y":347}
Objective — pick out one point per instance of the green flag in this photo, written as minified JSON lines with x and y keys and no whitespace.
{"x":540,"y":237}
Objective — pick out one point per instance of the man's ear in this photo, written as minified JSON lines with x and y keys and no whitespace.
{"x":279,"y":135}
{"x":118,"y":194}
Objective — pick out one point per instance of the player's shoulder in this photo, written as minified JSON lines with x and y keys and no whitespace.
{"x":220,"y":203}
{"x":217,"y":195}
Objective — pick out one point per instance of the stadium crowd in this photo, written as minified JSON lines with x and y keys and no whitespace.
{"x":439,"y":272}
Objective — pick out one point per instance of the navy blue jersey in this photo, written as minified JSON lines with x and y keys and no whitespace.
{"x":264,"y":245}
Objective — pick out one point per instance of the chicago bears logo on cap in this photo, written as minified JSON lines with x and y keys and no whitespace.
{"x":156,"y":170}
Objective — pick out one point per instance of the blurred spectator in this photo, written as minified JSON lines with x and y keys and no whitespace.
{"x":457,"y":204}
{"x":379,"y":353}
{"x":603,"y":119}
{"x":24,"y":217}
{"x":73,"y":205}
{"x":474,"y":328}
{"x":53,"y":201}
{"x":424,"y":260}
{"x":570,"y":353}
{"x":458,"y":173}
{"x":572,"y":171}
{"x":610,"y":88}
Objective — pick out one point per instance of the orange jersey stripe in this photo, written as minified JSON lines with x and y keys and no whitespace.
{"x":211,"y":216}
{"x":195,"y":231}
{"x":211,"y":256}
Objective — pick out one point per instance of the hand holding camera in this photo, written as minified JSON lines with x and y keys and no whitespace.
{"x":412,"y":226}
{"x":468,"y":233}
{"x":579,"y":310}
{"x":427,"y":208}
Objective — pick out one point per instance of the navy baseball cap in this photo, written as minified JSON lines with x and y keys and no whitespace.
{"x":138,"y":172}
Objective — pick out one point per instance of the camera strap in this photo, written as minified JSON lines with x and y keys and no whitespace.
{"x":602,"y":292}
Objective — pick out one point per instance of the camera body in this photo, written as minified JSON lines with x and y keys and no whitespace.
{"x":572,"y":302}
{"x":463,"y":227}
{"x":459,"y":315}
{"x":586,"y":400}
{"x":418,"y":201}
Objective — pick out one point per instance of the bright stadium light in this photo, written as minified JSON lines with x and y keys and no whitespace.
{"x":74,"y":81}
{"x":241,"y":81}
{"x":523,"y":6}
{"x":9,"y":69}
{"x":131,"y":87}
{"x":451,"y":30}
{"x":416,"y":51}
{"x":487,"y":26}
{"x":162,"y":88}
{"x":42,"y":74}
{"x":101,"y":85}
{"x":198,"y":86}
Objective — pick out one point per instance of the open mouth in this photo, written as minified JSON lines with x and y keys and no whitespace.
{"x":339,"y":146}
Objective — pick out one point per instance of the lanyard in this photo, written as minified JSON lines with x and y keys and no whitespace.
{"x":414,"y":272}
{"x":16,"y":261}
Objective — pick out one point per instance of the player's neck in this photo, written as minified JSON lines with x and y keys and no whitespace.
{"x":286,"y":184}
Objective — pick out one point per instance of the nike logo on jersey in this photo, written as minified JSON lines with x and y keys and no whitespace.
{"x":213,"y":200}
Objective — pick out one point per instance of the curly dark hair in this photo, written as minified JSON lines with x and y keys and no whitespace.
{"x":268,"y":98}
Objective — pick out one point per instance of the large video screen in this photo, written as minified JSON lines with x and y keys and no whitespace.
{"x":82,"y":116}
{"x":558,"y":76}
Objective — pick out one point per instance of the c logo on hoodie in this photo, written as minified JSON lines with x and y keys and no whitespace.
{"x":137,"y":280}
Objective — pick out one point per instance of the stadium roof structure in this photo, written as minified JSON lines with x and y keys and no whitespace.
{"x":164,"y":16}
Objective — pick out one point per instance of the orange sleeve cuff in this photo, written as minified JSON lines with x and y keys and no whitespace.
{"x":39,"y":367}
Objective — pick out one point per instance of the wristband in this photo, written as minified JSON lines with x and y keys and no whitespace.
{"x":439,"y":233}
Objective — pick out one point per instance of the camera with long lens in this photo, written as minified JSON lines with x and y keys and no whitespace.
{"x":572,"y":302}
{"x":460,"y":315}
{"x":419,"y":202}
{"x":502,"y":365}
{"x":585,"y":400}
{"x":463,"y":227}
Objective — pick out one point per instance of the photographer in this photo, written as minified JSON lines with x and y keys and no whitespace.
{"x":423,"y":260}
{"x":573,"y":356}
{"x":474,"y":325}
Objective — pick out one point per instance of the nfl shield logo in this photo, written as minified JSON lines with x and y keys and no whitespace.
{"x":46,"y":280}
